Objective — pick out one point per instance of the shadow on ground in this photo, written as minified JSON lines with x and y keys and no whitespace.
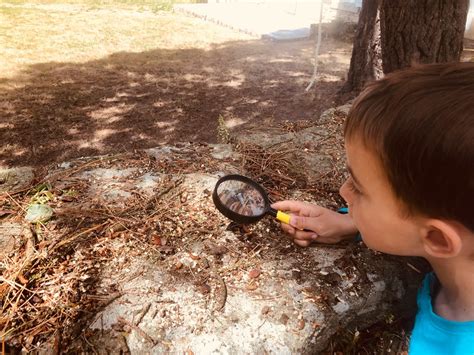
{"x":57,"y":111}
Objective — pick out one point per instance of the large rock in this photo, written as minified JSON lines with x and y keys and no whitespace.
{"x":195,"y":285}
{"x":15,"y":178}
{"x":316,"y":149}
{"x":276,"y":304}
{"x":10,"y":238}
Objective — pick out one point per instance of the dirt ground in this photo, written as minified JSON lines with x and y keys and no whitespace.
{"x":92,"y":81}
{"x":80,"y":81}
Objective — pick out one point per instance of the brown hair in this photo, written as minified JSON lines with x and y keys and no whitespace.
{"x":420,"y":123}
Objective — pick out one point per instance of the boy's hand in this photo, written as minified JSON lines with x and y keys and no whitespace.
{"x":327,"y":226}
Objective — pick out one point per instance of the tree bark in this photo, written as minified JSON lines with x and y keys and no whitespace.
{"x":411,"y":31}
{"x":366,"y":51}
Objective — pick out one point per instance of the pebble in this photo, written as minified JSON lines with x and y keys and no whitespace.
{"x":284,"y":319}
{"x":301,"y":324}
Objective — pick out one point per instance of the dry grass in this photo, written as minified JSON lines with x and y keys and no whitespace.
{"x":81,"y":31}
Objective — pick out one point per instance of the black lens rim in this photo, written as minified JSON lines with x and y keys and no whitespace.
{"x":233,"y":215}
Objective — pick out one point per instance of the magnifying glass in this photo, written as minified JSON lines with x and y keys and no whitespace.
{"x":244,"y":201}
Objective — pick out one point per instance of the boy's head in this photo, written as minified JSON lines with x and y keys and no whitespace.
{"x":418,"y":124}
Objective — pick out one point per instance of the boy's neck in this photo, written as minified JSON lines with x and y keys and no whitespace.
{"x":455,"y":298}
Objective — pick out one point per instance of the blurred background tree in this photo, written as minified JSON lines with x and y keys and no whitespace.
{"x":394,"y":34}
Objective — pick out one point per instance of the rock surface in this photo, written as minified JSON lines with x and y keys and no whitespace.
{"x":10,"y":238}
{"x":206,"y":287}
{"x":15,"y":178}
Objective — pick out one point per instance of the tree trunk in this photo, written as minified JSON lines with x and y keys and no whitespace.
{"x":411,"y":31}
{"x":366,"y":60}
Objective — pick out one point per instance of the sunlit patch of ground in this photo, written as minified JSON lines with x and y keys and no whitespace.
{"x":71,"y":72}
{"x":37,"y":33}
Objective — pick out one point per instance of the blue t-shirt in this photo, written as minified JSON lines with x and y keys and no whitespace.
{"x":435,"y":335}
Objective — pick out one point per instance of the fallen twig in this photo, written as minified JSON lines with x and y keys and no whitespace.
{"x":142,"y":314}
{"x":220,"y":293}
{"x":74,"y":237}
{"x":138,"y":330}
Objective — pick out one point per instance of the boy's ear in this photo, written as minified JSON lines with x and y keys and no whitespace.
{"x":441,"y":239}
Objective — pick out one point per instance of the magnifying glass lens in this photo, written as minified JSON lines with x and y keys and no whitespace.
{"x":241,"y":198}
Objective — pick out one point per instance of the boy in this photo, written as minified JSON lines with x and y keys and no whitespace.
{"x":409,"y":142}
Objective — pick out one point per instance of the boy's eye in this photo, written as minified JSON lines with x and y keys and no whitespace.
{"x":352,"y":187}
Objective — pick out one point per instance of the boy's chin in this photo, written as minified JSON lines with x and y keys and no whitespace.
{"x":391,"y":250}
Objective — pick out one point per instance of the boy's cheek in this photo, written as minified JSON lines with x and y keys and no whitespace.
{"x":361,"y":223}
{"x":351,"y":213}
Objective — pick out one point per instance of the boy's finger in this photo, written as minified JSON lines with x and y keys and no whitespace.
{"x":287,"y":228}
{"x":302,"y":222}
{"x":305,"y":236}
{"x":293,"y":206}
{"x":302,"y":243}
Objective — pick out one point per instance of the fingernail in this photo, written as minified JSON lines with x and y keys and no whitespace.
{"x":293,"y":221}
{"x":314,"y":237}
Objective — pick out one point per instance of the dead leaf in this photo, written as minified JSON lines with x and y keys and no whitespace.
{"x":252,"y":286}
{"x":217,"y":249}
{"x":204,"y":288}
{"x":194,"y":257}
{"x":284,"y":319}
{"x":4,"y":287}
{"x":22,"y":279}
{"x":254,"y":273}
{"x":118,"y":327}
{"x":67,"y":198}
{"x":5,"y":212}
{"x":166,"y":250}
{"x":156,"y":240}
{"x":41,"y":245}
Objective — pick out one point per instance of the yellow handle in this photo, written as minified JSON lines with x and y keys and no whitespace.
{"x":283,"y":217}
